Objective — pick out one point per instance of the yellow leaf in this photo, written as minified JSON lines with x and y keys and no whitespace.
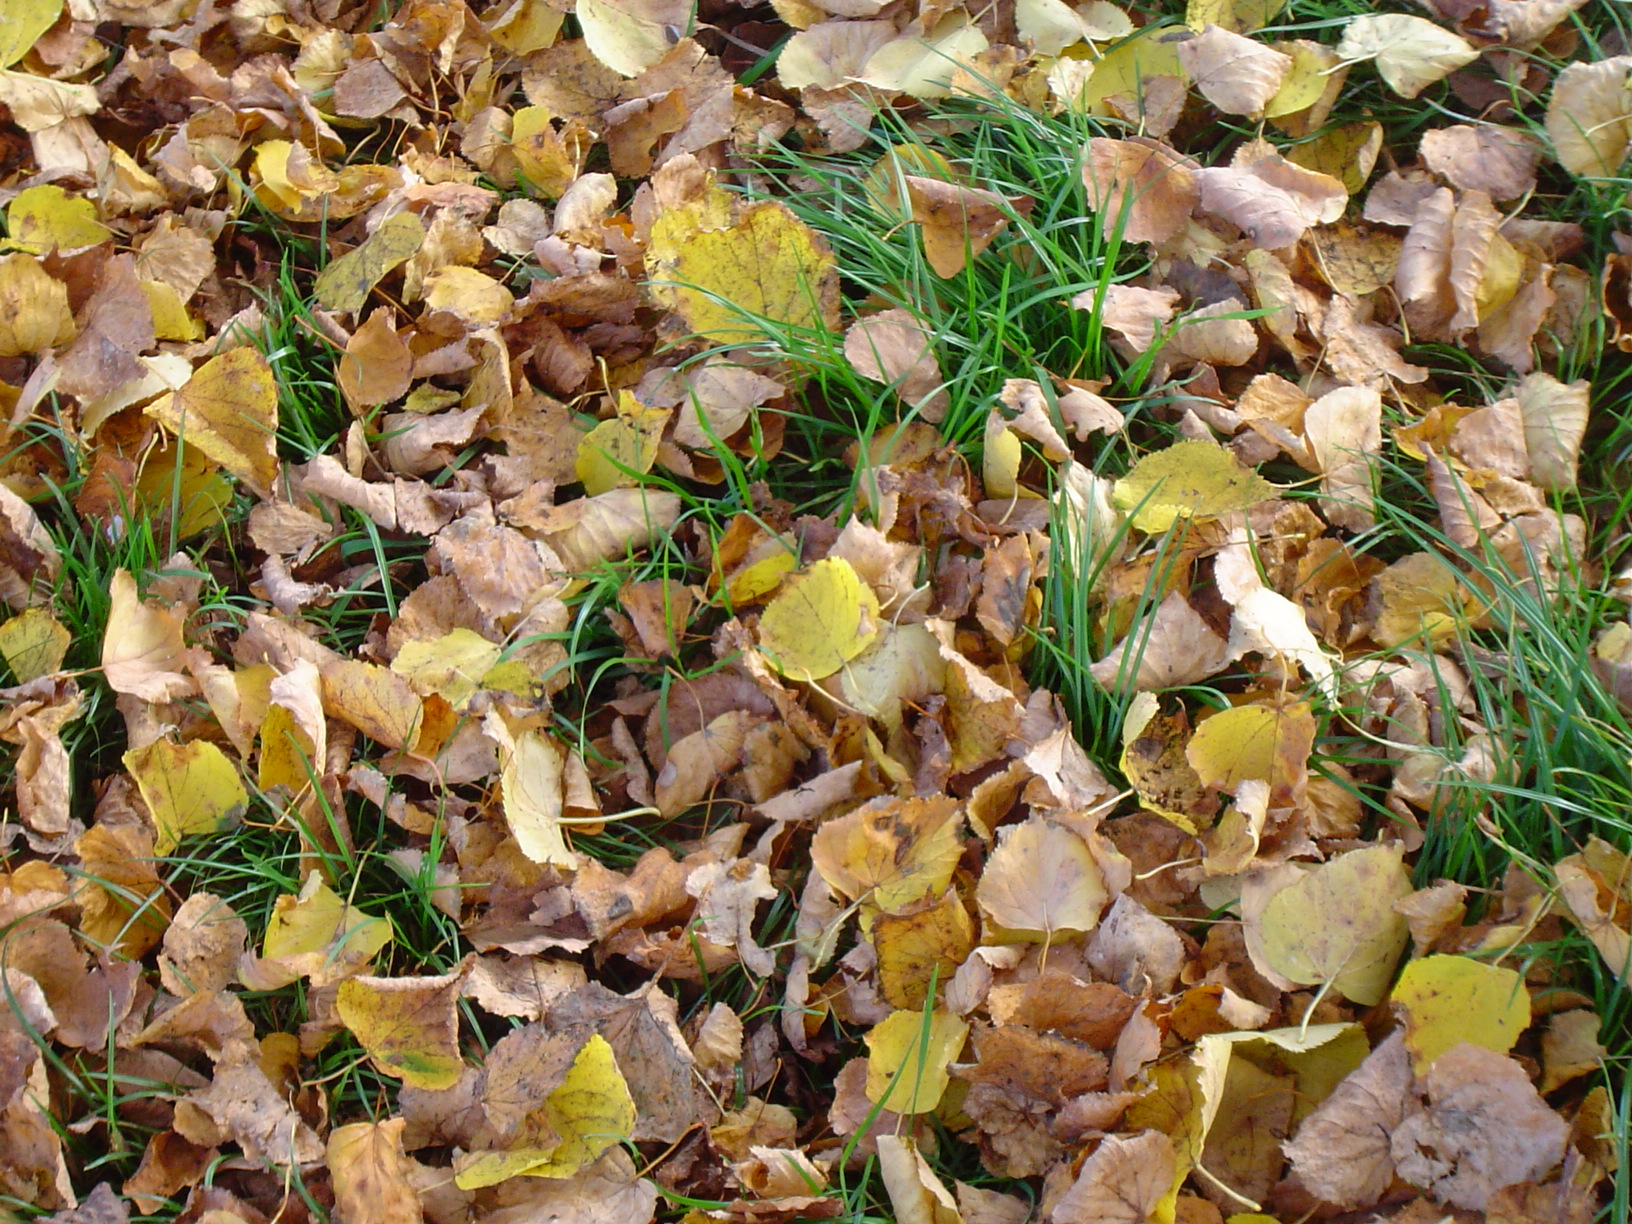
{"x":375,"y":700}
{"x":531,"y":768}
{"x":907,"y":1059}
{"x":1252,"y":743}
{"x":189,"y":788}
{"x":1000,"y":457}
{"x":819,"y":621}
{"x":228,"y":410}
{"x":472,"y":297}
{"x":1127,"y":69}
{"x":1041,"y":881}
{"x":591,"y":1110}
{"x":1411,"y":53}
{"x":1347,"y":153}
{"x":1337,"y":924}
{"x":1236,"y":16}
{"x":408,"y":1025}
{"x":33,"y":644}
{"x":43,"y":217}
{"x":294,"y":736}
{"x":550,"y":159}
{"x":170,"y":318}
{"x":616,"y":452}
{"x":317,"y":935}
{"x":346,"y":283}
{"x":766,"y":264}
{"x":452,"y":666}
{"x":1306,"y":83}
{"x":1450,"y":999}
{"x":34,"y":312}
{"x":891,"y":852}
{"x":1190,"y":479}
{"x":24,"y":23}
{"x":525,"y":27}
{"x":196,"y":497}
{"x":629,"y":36}
{"x":926,"y":942}
{"x":1155,"y":765}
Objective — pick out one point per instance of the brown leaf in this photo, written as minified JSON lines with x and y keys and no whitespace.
{"x":1155,"y":185}
{"x":892,"y":347}
{"x":370,"y":1174}
{"x":642,"y":1031}
{"x":1170,"y":647}
{"x":202,"y":946}
{"x":142,"y":650}
{"x":1237,"y":75}
{"x":1485,"y":1128}
{"x":1341,"y":1152}
{"x":1268,"y":198}
{"x":1121,"y":1182}
{"x":1499,"y":161}
{"x":958,"y":223}
{"x":242,"y":1106}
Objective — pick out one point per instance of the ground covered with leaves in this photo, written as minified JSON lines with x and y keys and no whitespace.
{"x":833,"y":609}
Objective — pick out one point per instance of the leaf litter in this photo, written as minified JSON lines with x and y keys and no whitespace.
{"x":818,"y":876}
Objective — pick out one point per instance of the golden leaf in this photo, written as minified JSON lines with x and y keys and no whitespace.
{"x":819,"y":621}
{"x":347,"y":281}
{"x":228,"y":410}
{"x":408,"y":1025}
{"x":765,"y":264}
{"x":1447,"y":1000}
{"x":190,"y":789}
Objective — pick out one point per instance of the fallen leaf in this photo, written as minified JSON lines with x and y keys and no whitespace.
{"x":1190,"y":479}
{"x":591,"y":1110}
{"x":1485,"y":1127}
{"x":1141,"y":186}
{"x":33,"y":644}
{"x":408,"y":1025}
{"x":202,"y":946}
{"x":765,"y":264}
{"x":190,"y":789}
{"x":819,"y":621}
{"x":1341,"y":1153}
{"x":1448,"y":1000}
{"x":1041,"y":880}
{"x":1499,"y":161}
{"x":892,"y":347}
{"x":1411,"y":54}
{"x":958,"y":223}
{"x":229,"y":411}
{"x":1121,"y":1182}
{"x":371,"y":1173}
{"x":916,"y":1194}
{"x":35,"y":312}
{"x":46,"y":217}
{"x":28,"y":21}
{"x":1570,"y":1048}
{"x":347,"y":281}
{"x":909,"y":1057}
{"x":1237,"y":75}
{"x":1589,"y":116}
{"x":1335,"y":924}
{"x":315,"y":934}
